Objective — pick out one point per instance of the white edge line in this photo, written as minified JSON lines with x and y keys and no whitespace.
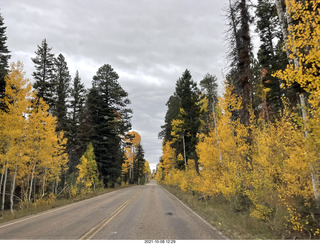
{"x":12,"y":222}
{"x":202,"y":219}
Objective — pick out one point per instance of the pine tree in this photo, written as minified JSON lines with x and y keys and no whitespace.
{"x":240,"y":54}
{"x":173,"y":110}
{"x":61,"y":92}
{"x":209,"y":88}
{"x":44,"y":80}
{"x":107,"y":103}
{"x":269,"y":56}
{"x":4,"y":59}
{"x":138,"y":165}
{"x":77,"y":103}
{"x":189,"y":94}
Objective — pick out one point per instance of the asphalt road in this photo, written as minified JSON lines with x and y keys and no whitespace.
{"x":146,"y":212}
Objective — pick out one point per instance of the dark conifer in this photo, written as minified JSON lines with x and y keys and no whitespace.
{"x":4,"y":59}
{"x":138,"y":164}
{"x":44,"y":80}
{"x":107,"y":103}
{"x":61,"y":93}
{"x":189,"y":95}
{"x":77,"y":103}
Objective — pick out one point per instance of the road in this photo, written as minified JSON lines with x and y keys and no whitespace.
{"x":146,"y":212}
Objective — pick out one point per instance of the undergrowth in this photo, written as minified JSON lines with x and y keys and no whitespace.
{"x":236,"y":224}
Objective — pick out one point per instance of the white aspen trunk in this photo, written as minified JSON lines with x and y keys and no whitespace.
{"x":284,"y":25}
{"x":31,"y":184}
{"x":313,"y":172}
{"x":25,"y":197}
{"x":1,"y":180}
{"x":131,"y":165}
{"x":56,"y":185}
{"x":13,"y":188}
{"x":184,"y":152}
{"x":4,"y":188}
{"x":44,"y":181}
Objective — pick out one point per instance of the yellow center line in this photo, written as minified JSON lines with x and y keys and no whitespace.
{"x":105,"y":221}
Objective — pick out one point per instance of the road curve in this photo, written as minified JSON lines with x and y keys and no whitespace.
{"x":146,"y":212}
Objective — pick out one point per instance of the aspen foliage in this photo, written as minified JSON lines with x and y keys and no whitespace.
{"x":88,"y":174}
{"x":168,"y":158}
{"x":277,"y":176}
{"x":131,"y":155}
{"x":304,"y":47}
{"x":133,"y":139}
{"x":147,"y":171}
{"x":32,"y":154}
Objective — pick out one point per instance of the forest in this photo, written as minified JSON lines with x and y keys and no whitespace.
{"x":257,"y":145}
{"x":59,"y":139}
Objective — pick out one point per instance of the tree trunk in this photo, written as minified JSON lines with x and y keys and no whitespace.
{"x":184,"y":152}
{"x":31,"y":184}
{"x":56,"y":185}
{"x":2,"y":175}
{"x":283,"y":24}
{"x":244,"y":64}
{"x":4,"y":188}
{"x":13,"y":188}
{"x":44,"y":181}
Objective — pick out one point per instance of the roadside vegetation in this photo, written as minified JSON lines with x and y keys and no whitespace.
{"x":254,"y":151}
{"x":237,"y":225}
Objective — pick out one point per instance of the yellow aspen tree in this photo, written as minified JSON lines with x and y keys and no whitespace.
{"x":88,"y":174}
{"x":46,"y":149}
{"x":303,"y":46}
{"x":159,"y":173}
{"x":125,"y":168}
{"x":168,"y":158}
{"x":179,"y":132}
{"x":223,"y":161}
{"x":146,"y":171}
{"x":133,"y":140}
{"x":232,"y":135}
{"x":13,"y":126}
{"x":279,"y":166}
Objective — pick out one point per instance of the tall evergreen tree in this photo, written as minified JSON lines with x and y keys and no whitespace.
{"x":269,"y":56}
{"x":61,"y":92}
{"x":240,"y":54}
{"x":44,"y":80}
{"x":77,"y":102}
{"x":4,"y":60}
{"x":189,"y":95}
{"x":138,"y":164}
{"x":173,"y":110}
{"x":107,"y":103}
{"x":209,"y":88}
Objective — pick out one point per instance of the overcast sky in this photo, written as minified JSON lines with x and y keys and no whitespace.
{"x":149,"y":43}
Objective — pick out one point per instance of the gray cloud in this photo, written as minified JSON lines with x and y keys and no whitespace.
{"x":149,"y":43}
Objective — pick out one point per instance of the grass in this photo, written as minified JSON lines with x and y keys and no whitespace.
{"x":20,"y":213}
{"x":234,"y":224}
